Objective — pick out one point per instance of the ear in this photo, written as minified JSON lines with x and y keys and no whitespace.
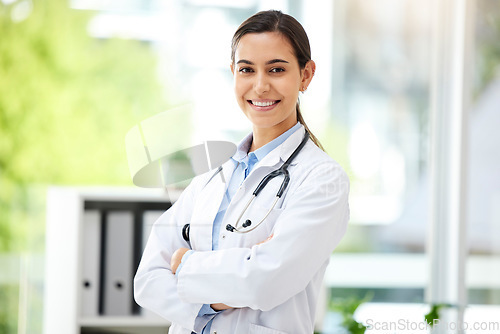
{"x":307,"y":74}
{"x":232,"y":68}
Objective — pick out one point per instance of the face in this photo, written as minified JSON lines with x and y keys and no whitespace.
{"x":267,"y":80}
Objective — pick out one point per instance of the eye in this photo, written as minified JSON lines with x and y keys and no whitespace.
{"x":277,"y":70}
{"x":245,"y":70}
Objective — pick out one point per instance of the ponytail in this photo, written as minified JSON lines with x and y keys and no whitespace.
{"x":312,"y":136}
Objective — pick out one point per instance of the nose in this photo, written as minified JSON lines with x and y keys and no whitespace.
{"x":261,"y":84}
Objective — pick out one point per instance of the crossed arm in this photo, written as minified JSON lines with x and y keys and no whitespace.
{"x":176,"y":261}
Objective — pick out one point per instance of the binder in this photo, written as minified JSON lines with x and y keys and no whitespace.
{"x":117,"y":263}
{"x":91,"y":257}
{"x":148,"y":219}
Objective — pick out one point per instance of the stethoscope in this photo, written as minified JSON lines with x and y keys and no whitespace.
{"x":283,"y":170}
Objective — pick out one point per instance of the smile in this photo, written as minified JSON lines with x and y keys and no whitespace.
{"x":263,"y":103}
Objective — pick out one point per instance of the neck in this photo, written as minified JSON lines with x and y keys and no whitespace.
{"x":262,"y":136}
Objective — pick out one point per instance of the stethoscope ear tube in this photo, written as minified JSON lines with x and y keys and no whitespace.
{"x":265,"y":180}
{"x":284,"y":184}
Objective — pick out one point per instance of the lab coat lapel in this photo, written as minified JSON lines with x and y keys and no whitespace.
{"x":289,"y":146}
{"x":271,"y":162}
{"x":207,"y":206}
{"x":283,"y":152}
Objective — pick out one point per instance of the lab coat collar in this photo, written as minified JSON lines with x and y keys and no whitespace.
{"x":281,"y":153}
{"x":243,"y":147}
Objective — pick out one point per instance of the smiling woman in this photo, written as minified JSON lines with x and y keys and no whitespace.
{"x":288,"y":37}
{"x":253,"y":278}
{"x":267,"y":81}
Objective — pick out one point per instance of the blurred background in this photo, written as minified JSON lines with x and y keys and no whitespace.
{"x":76,"y":75}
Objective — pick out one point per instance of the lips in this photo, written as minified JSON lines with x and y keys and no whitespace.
{"x":263,"y":105}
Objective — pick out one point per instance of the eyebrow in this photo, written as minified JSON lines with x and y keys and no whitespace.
{"x":272,"y":61}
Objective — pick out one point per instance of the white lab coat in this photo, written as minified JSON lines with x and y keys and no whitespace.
{"x":273,"y":286}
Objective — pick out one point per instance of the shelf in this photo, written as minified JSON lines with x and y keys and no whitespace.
{"x":125,"y":321}
{"x":123,"y":330}
{"x":70,"y":213}
{"x":124,"y":325}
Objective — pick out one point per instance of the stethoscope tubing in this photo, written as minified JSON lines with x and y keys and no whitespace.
{"x":236,"y":230}
{"x":283,"y":170}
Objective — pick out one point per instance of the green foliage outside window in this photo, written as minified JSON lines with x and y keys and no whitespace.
{"x":346,"y":307}
{"x":487,"y":56}
{"x":66,"y":103}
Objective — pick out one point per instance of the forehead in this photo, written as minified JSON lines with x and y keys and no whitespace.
{"x":264,"y":46}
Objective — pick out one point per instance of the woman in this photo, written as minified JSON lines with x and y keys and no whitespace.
{"x":267,"y":279}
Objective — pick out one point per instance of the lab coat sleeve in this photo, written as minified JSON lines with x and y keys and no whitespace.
{"x":155,"y":287}
{"x":307,"y":231}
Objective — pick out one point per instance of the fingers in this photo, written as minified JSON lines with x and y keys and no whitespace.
{"x":220,"y":307}
{"x":268,"y":238}
{"x":176,"y":259}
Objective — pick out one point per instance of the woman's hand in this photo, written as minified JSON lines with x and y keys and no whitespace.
{"x":177,"y":258}
{"x":269,"y":238}
{"x":220,"y":307}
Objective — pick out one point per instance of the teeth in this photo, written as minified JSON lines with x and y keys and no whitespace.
{"x":263,"y":104}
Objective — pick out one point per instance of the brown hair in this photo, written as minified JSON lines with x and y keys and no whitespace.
{"x":276,"y":21}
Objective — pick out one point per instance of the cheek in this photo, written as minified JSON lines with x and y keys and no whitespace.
{"x":239,"y":88}
{"x":292,"y":92}
{"x":290,"y":86}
